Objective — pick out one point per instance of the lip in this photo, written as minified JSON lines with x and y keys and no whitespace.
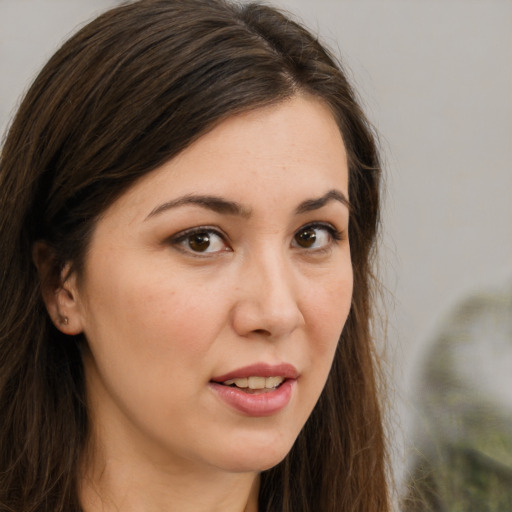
{"x":288,"y":371}
{"x":257,"y":404}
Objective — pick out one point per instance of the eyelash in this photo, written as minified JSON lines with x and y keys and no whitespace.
{"x":185,"y":236}
{"x":334,"y":237}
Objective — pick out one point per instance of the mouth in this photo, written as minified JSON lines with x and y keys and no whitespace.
{"x":257,"y":390}
{"x":255,"y":384}
{"x":258,"y":378}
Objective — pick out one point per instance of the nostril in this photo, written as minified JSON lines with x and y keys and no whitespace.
{"x":263,"y":332}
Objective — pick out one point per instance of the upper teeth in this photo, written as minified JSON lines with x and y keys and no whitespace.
{"x":256,"y":382}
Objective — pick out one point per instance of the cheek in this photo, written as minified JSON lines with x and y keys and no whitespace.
{"x":150,"y":317}
{"x":329,"y":304}
{"x":328,"y":310}
{"x":150,"y":337}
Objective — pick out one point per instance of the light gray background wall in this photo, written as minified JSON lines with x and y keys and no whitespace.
{"x":436,"y":79}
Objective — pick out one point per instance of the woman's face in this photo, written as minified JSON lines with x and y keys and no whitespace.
{"x":215,"y":290}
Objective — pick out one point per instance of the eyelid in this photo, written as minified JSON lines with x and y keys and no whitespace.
{"x":176,"y":239}
{"x":335,"y":234}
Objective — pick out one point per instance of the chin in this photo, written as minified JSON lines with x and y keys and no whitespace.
{"x":257,"y":457}
{"x":256,"y":465}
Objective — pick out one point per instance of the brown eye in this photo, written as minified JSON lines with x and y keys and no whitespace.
{"x":199,"y":242}
{"x":306,"y":237}
{"x":316,"y":236}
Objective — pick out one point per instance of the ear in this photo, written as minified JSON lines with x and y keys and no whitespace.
{"x":59,"y":290}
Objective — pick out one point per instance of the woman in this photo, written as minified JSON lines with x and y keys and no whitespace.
{"x":185,"y":325}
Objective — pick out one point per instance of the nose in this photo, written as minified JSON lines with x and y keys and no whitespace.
{"x":267,"y":300}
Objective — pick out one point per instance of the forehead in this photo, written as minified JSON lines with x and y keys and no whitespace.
{"x":291,"y":150}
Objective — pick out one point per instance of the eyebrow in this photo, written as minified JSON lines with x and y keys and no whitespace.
{"x":217,"y":204}
{"x":315,"y":204}
{"x":223,"y":206}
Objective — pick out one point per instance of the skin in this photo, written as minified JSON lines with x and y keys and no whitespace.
{"x":162,"y":319}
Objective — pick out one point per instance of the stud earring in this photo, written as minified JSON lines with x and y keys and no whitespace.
{"x":64,"y":320}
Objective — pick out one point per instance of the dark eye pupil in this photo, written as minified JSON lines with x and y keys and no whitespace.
{"x":306,"y":238}
{"x":199,"y":242}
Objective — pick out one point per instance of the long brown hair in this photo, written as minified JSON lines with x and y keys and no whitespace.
{"x":125,"y":94}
